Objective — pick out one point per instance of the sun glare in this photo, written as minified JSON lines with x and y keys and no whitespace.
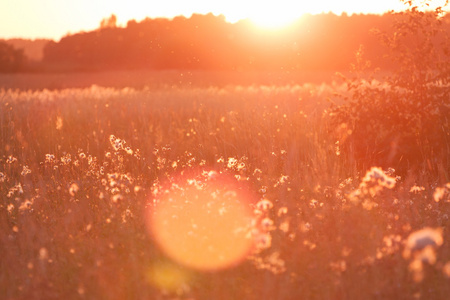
{"x":272,"y":22}
{"x":275,"y":16}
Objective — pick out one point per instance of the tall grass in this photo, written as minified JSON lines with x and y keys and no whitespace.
{"x":79,"y":168}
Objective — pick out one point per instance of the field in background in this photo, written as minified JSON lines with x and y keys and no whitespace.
{"x":79,"y":166}
{"x":160,"y":79}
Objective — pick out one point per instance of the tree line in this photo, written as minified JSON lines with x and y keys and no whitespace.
{"x":11,"y":59}
{"x":208,"y":42}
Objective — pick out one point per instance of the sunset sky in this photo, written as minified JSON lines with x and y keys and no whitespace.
{"x":56,"y":18}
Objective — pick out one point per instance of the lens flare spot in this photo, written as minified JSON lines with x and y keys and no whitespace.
{"x":202,"y":221}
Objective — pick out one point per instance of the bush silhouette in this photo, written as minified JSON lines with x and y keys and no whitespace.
{"x":401,"y":121}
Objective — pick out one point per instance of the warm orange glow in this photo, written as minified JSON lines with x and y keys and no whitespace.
{"x":202,"y":222}
{"x":275,"y":16}
{"x":40,"y":19}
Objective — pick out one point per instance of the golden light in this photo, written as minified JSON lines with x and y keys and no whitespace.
{"x":202,"y":221}
{"x":275,"y":15}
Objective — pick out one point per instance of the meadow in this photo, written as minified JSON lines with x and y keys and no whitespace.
{"x":82,"y":169}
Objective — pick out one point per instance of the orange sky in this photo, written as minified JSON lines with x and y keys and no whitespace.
{"x":55,"y":18}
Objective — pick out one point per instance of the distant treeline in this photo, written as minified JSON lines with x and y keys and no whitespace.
{"x":21,"y":54}
{"x":11,"y":59}
{"x":32,"y":49}
{"x":208,"y":42}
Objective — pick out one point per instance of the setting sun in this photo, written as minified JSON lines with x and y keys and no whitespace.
{"x":275,"y":15}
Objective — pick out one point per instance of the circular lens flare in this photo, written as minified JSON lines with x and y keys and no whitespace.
{"x":202,"y":222}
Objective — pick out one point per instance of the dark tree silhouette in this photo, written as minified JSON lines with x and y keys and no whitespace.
{"x":208,"y":42}
{"x":11,"y":60}
{"x":110,"y":22}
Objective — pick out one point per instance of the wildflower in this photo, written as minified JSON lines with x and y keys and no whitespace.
{"x":129,"y":151}
{"x":232,"y":162}
{"x":278,"y":265}
{"x":421,"y":248}
{"x":257,"y":171}
{"x":49,"y":158}
{"x":446,"y":269}
{"x":126,"y":215}
{"x":10,"y":208}
{"x":116,"y":198}
{"x":263,"y":241}
{"x":264,"y":205}
{"x":346,"y":182}
{"x":391,"y":245}
{"x":310,"y":245}
{"x":2,"y":177}
{"x":284,"y":226}
{"x":416,"y":189}
{"x":11,"y":159}
{"x":313,"y":203}
{"x":377,"y":175}
{"x":421,"y":239}
{"x":282,"y":211}
{"x":371,"y":185}
{"x":73,"y":189}
{"x":43,"y":254}
{"x":59,"y":123}
{"x":116,"y":143}
{"x":66,"y":159}
{"x":17,"y":188}
{"x":442,"y":193}
{"x":368,"y":204}
{"x":338,"y":266}
{"x":267,"y":224}
{"x":25,"y":171}
{"x":241,"y":166}
{"x":209,"y":174}
{"x":281,"y":180}
{"x":305,"y":227}
{"x":26,"y":205}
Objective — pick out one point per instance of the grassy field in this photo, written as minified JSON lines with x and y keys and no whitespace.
{"x":83,"y":168}
{"x":160,"y":79}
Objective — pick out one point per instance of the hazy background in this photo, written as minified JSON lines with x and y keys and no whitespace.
{"x":55,"y":18}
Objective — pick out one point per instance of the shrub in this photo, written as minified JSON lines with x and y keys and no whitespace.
{"x":401,"y":121}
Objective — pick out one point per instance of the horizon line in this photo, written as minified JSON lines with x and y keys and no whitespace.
{"x":124,"y":24}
